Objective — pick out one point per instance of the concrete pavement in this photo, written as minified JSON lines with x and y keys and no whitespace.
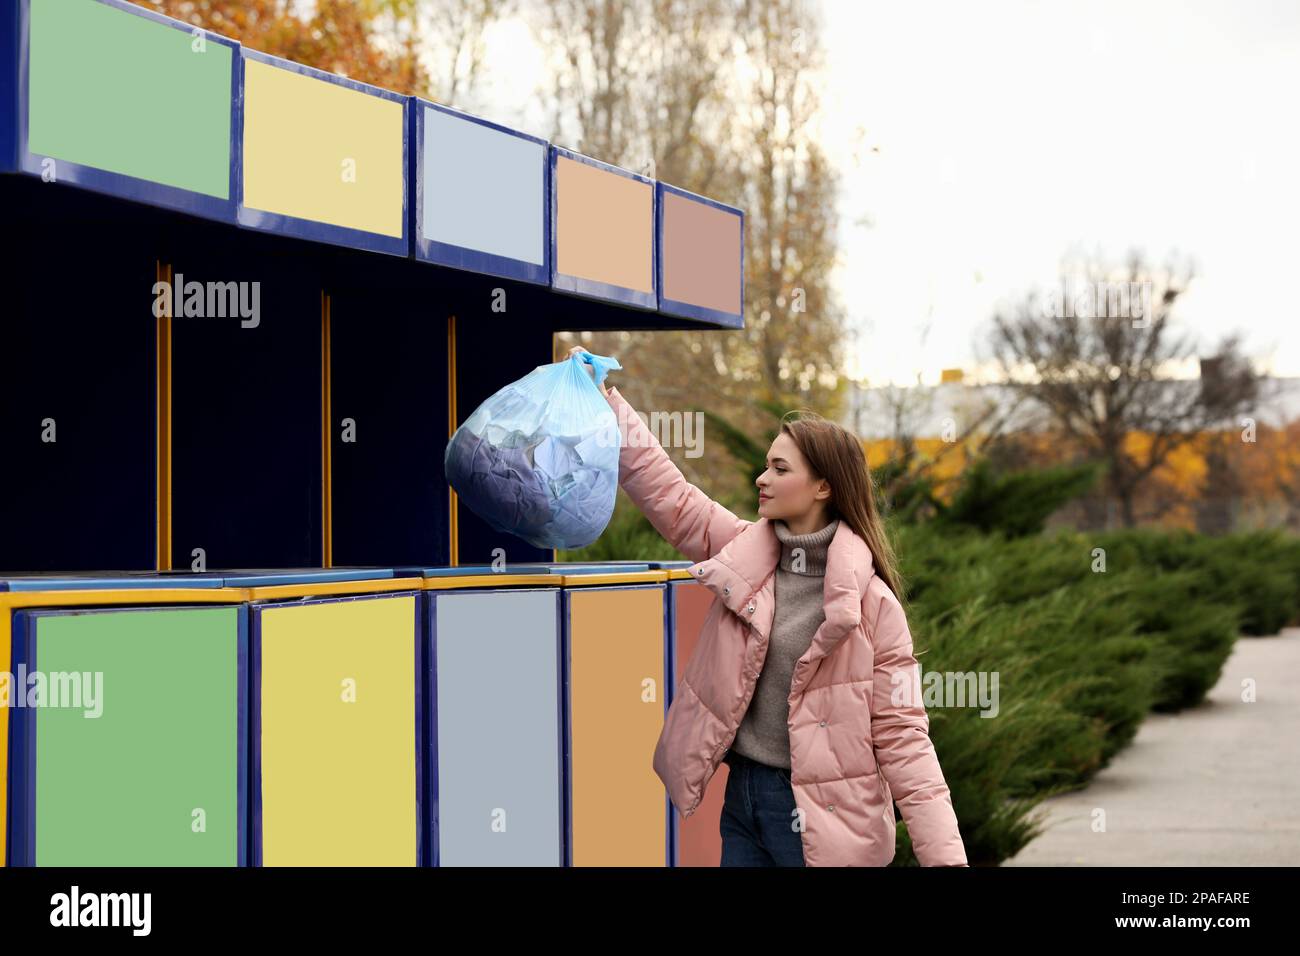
{"x":1215,"y":785}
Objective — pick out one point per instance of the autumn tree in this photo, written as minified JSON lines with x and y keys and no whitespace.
{"x":1100,"y":353}
{"x":386,"y":43}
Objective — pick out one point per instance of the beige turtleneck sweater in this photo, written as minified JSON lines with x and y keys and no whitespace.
{"x":764,"y":734}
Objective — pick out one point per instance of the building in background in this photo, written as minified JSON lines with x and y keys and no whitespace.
{"x":1247,"y":476}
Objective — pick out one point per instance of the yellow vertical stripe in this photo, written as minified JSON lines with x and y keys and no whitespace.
{"x":451,"y":430}
{"x":327,"y":459}
{"x":163,"y":491}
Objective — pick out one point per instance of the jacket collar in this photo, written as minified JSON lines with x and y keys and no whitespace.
{"x":742,"y":575}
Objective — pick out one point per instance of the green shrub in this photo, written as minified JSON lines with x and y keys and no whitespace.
{"x":1259,"y":572}
{"x":1015,"y":503}
{"x":1082,"y":657}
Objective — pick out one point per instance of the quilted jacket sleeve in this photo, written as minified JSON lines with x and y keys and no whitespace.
{"x":901,"y":740}
{"x":690,"y":520}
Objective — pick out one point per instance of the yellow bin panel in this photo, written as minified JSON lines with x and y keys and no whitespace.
{"x":338,"y":733}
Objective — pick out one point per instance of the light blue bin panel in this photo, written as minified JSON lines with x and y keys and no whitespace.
{"x":481,"y":195}
{"x":498,"y":763}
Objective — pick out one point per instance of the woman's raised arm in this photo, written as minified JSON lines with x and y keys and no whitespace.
{"x":690,"y":520}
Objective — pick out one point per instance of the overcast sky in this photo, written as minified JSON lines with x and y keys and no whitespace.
{"x":1010,"y":131}
{"x":979,"y":142}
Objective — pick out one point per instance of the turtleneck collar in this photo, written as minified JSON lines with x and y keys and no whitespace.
{"x":815,"y":544}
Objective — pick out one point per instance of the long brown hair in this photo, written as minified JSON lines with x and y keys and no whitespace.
{"x":835,"y":454}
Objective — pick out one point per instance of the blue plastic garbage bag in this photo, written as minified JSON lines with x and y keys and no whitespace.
{"x":539,"y":458}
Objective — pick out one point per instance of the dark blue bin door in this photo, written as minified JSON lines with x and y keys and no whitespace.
{"x":246,"y":407}
{"x":78,"y":343}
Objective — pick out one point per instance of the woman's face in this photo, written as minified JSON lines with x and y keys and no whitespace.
{"x":787,"y":489}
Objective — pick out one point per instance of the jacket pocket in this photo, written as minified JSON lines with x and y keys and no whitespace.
{"x":886,"y":796}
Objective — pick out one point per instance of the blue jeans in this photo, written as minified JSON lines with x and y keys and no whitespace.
{"x":758,"y":815}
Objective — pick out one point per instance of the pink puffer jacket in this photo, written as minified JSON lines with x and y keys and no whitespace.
{"x":854,"y":747}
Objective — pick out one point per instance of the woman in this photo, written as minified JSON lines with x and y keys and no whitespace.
{"x":803,"y":678}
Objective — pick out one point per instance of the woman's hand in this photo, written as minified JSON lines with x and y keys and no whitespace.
{"x":601,"y":385}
